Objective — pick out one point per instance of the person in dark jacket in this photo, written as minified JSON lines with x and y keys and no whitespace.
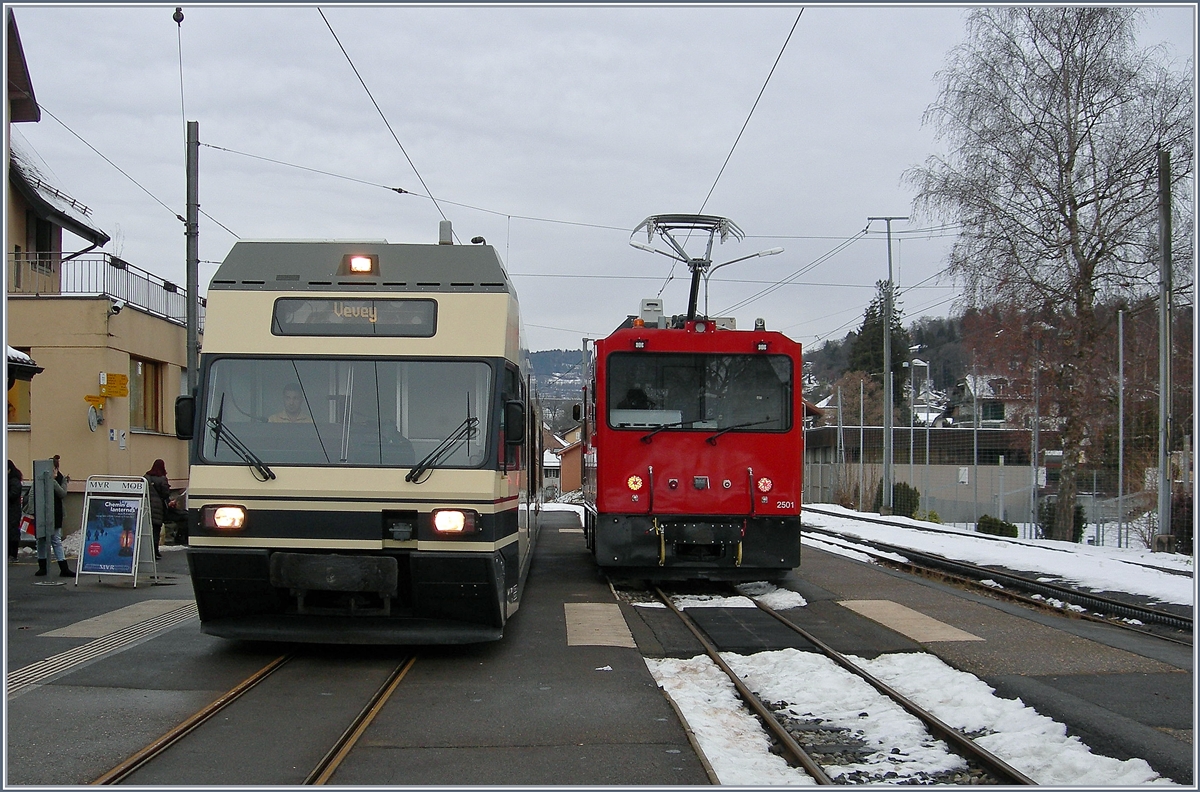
{"x":14,"y":509}
{"x":160,"y":493}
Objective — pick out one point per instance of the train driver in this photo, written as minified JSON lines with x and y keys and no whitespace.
{"x":293,"y":406}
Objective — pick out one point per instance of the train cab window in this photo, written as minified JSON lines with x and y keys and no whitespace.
{"x":699,"y":391}
{"x":339,"y":411}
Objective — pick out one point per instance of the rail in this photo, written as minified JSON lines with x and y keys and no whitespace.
{"x":45,"y":274}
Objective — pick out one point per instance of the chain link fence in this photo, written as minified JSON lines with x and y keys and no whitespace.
{"x":959,"y":475}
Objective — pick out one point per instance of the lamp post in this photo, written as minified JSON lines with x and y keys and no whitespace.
{"x":886,"y":508}
{"x":912,"y":373}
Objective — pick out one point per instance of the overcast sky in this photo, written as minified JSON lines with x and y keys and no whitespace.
{"x":527,"y":124}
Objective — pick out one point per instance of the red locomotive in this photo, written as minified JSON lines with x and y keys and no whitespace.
{"x":694,"y":442}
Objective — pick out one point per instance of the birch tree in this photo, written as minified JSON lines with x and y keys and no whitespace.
{"x":1052,"y":119}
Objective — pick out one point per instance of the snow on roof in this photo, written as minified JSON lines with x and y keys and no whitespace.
{"x":17,"y":356}
{"x":71,"y":214}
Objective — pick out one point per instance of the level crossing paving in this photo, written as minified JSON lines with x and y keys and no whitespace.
{"x":563,"y":698}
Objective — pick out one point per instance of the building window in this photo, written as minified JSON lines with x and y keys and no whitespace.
{"x":144,"y":395}
{"x":993,"y":410}
{"x":18,"y":400}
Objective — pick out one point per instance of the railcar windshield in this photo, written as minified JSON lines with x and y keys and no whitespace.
{"x":687,"y":392}
{"x":335,"y":412}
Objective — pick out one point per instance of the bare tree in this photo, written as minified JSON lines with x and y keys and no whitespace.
{"x":1053,"y":120}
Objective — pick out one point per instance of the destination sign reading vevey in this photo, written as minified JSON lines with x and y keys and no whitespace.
{"x":414,"y":318}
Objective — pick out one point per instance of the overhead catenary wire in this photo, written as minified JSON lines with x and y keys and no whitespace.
{"x":415,"y":194}
{"x":386,"y":123}
{"x":808,"y":267}
{"x":750,"y":115}
{"x":122,"y":171}
{"x":746,"y":123}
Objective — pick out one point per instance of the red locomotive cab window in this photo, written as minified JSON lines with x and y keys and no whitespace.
{"x":700,"y":391}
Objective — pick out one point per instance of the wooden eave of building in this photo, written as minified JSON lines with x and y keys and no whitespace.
{"x":22,"y":105}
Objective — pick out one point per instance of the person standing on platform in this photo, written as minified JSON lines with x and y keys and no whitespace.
{"x":160,"y":493}
{"x":54,"y":538}
{"x":14,"y":510}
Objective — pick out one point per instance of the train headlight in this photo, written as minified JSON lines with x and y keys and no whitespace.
{"x":360,"y":264}
{"x":634,"y":483}
{"x":454,"y":522}
{"x":224,"y":518}
{"x":765,"y":484}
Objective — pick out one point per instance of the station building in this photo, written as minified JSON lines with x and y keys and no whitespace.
{"x":97,"y":348}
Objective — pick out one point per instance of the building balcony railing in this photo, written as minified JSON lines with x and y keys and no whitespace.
{"x":102,"y":275}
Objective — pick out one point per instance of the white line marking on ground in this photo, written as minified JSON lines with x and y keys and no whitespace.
{"x":106,"y":623}
{"x":41,"y":671}
{"x":906,"y":621}
{"x":596,"y":624}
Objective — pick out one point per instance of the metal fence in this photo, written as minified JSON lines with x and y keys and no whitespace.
{"x":962,"y":474}
{"x":99,"y":274}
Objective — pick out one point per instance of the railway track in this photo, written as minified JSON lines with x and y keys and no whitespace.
{"x":318,"y":775}
{"x":800,"y":742}
{"x":1017,"y":587}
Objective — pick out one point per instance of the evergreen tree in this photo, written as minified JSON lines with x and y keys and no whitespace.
{"x":866,"y":353}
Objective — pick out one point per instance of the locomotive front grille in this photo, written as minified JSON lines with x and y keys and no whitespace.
{"x":356,"y":585}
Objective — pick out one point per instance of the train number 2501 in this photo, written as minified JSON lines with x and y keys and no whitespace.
{"x":785,"y":504}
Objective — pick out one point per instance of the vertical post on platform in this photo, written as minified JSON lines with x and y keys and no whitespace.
{"x":1120,"y":427}
{"x":862,"y":451}
{"x":975,"y":438}
{"x":1001,"y":506}
{"x":1164,"y":342}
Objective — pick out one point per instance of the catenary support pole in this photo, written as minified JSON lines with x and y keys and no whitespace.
{"x":193,"y":255}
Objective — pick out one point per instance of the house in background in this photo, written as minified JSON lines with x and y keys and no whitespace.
{"x":110,"y":339}
{"x":998,"y":401}
{"x":552,"y":444}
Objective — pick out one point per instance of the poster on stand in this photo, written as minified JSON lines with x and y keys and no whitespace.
{"x":115,"y":515}
{"x":110,"y":536}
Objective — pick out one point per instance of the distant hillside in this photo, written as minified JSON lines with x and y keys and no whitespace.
{"x":557,"y":373}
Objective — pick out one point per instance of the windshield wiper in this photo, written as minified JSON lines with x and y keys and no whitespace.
{"x":222,"y":432}
{"x":672,"y":425}
{"x":713,"y":439}
{"x":465,"y":431}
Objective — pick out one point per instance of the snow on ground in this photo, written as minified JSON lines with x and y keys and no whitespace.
{"x":1097,"y":568}
{"x":571,"y":507}
{"x":732,"y":740}
{"x":811,"y":686}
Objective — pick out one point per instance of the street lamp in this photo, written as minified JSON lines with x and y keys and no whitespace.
{"x":768,"y":252}
{"x":912,"y":409}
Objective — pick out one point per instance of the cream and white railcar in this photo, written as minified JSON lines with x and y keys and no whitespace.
{"x":360,"y":466}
